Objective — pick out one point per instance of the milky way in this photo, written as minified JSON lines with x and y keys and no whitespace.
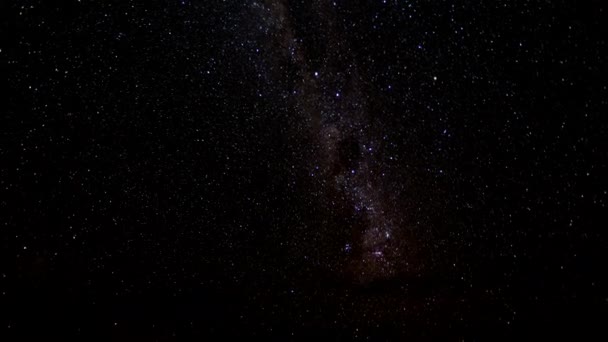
{"x":329,"y":99}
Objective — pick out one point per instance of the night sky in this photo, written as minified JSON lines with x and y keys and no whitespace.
{"x":297,"y":169}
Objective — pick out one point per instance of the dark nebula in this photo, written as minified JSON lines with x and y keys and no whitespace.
{"x":289,"y":170}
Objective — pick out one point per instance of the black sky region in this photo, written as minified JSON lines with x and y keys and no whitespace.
{"x":290,"y":169}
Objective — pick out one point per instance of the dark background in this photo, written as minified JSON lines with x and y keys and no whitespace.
{"x":155,"y":168}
